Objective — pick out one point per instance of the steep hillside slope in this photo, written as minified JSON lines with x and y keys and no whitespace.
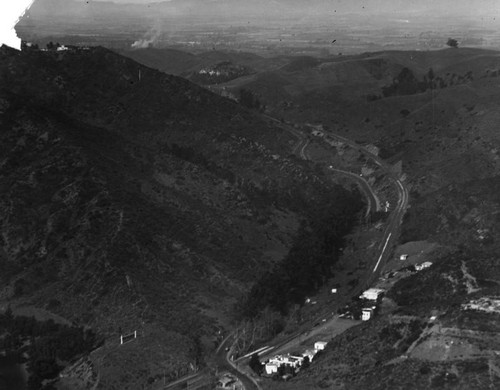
{"x":436,"y":328}
{"x":134,"y":200}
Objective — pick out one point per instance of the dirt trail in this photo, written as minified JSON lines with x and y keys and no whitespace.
{"x":470,"y":281}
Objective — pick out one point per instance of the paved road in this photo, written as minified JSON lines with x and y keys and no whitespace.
{"x":300,"y":148}
{"x":303,"y":147}
{"x":221,"y":358}
{"x":396,"y":217}
{"x":393,"y":223}
{"x":223,"y":362}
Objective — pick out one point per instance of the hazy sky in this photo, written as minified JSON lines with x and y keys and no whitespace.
{"x":10,"y":10}
{"x":404,"y":6}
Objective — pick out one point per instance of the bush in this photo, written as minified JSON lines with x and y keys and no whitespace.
{"x":452,"y":43}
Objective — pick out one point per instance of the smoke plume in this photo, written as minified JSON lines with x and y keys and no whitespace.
{"x":149,"y":38}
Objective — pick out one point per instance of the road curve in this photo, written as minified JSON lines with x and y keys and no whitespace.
{"x":373,"y":201}
{"x":300,"y":149}
{"x":223,"y":362}
{"x":396,"y":218}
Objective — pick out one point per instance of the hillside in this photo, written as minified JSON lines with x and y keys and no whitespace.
{"x":427,"y":109}
{"x":188,"y":65}
{"x":135,"y":200}
{"x":437,"y":328}
{"x":446,"y":94}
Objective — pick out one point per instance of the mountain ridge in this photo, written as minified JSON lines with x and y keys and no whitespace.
{"x":139,"y":201}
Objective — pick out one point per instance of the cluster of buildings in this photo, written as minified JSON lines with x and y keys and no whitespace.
{"x":420,"y":267}
{"x":365,"y":308}
{"x":27,"y":46}
{"x":371,"y":295}
{"x":487,"y":304}
{"x":293,"y":362}
{"x":210,"y":72}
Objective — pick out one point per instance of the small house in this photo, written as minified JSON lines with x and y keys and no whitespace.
{"x":320,"y":345}
{"x":372,"y":294}
{"x":271,"y":368}
{"x":366,"y":313}
{"x":277,"y":360}
{"x":403,"y":257}
{"x":420,"y":267}
{"x":295,"y":361}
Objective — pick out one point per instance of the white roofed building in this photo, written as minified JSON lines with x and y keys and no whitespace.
{"x":320,"y":345}
{"x":366,"y":313}
{"x":372,"y":294}
{"x":271,"y":368}
{"x":420,"y":267}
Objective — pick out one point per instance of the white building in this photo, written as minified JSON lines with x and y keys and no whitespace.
{"x":277,"y":361}
{"x":271,"y":368}
{"x":293,"y":361}
{"x":372,"y":294}
{"x":366,"y":313}
{"x":320,"y":345}
{"x":420,"y":267}
{"x":403,"y":257}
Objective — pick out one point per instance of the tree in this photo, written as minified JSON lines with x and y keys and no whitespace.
{"x":378,"y":214}
{"x":430,"y":74}
{"x":249,"y":100}
{"x":452,"y":43}
{"x":255,"y":364}
{"x":8,"y":313}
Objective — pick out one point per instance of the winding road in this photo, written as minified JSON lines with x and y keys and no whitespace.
{"x":388,"y":239}
{"x":222,"y":356}
{"x":373,"y":201}
{"x":396,"y":217}
{"x":223,"y":362}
